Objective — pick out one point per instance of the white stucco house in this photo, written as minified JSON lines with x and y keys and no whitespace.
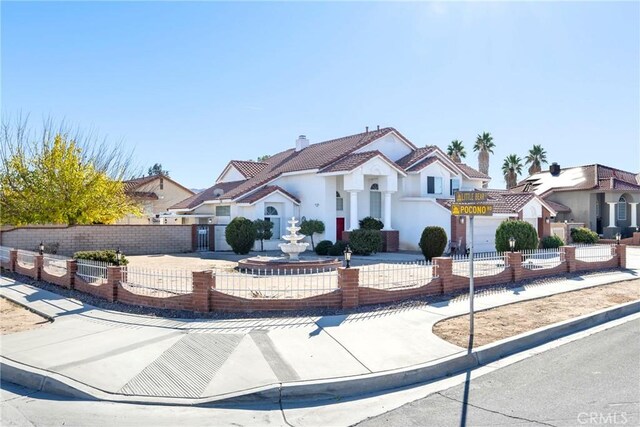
{"x":377,"y":173}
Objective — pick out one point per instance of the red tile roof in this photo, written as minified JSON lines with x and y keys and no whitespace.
{"x":350,"y":161}
{"x":248,"y":168}
{"x":264,"y":192}
{"x":471,"y":172}
{"x":558,"y":207}
{"x":503,"y":201}
{"x":415,"y":156}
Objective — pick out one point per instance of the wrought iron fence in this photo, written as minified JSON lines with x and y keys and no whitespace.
{"x":485,"y":264}
{"x":594,"y":253}
{"x":276,"y":284}
{"x":55,"y":264}
{"x":92,"y":271}
{"x":4,"y":253}
{"x":397,"y":276}
{"x":159,"y":283}
{"x":26,"y":259}
{"x":541,"y":258}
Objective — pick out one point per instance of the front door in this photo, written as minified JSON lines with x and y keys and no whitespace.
{"x":339,"y":228}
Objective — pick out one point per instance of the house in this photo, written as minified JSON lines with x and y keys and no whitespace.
{"x":155,"y":193}
{"x":377,"y":173}
{"x":603,"y":198}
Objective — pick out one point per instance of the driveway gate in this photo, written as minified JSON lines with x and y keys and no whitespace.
{"x":202,"y":238}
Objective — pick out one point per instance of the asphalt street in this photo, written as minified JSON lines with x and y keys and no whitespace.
{"x":591,"y":381}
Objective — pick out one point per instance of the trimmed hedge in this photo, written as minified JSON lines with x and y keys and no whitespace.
{"x":432,"y":242}
{"x":524,"y":233}
{"x":583,"y":235}
{"x":365,"y":242}
{"x":322,"y":248}
{"x":552,"y":242}
{"x":104,"y":256}
{"x":241,"y":234}
{"x":370,"y":223}
{"x":338,"y":248}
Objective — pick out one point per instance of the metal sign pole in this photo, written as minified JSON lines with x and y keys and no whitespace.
{"x":471,"y":291}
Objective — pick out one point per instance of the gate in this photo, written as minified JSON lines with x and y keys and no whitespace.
{"x":202,"y":238}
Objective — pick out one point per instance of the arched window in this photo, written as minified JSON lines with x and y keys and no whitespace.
{"x":339,"y":202}
{"x":375,"y":202}
{"x":271,"y":215}
{"x":622,"y":209}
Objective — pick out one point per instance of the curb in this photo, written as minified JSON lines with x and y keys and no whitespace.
{"x":326,"y":389}
{"x":31,"y":309}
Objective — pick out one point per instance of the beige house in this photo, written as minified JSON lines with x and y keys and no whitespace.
{"x":603,"y":198}
{"x":155,"y":194}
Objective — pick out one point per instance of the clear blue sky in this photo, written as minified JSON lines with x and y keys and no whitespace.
{"x":194,"y":85}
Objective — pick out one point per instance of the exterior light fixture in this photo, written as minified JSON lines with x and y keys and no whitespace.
{"x":618,"y":238}
{"x":547,"y":220}
{"x":118,"y":256}
{"x":512,"y":243}
{"x":347,"y":256}
{"x":41,"y":248}
{"x":461,"y":220}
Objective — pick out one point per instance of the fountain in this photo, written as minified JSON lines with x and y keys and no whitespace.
{"x":291,"y":263}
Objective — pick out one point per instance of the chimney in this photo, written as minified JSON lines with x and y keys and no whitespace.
{"x":301,"y":143}
{"x":554,"y":169}
{"x":378,"y":129}
{"x":366,"y":129}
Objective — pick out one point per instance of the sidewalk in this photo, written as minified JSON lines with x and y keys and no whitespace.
{"x":132,"y":355}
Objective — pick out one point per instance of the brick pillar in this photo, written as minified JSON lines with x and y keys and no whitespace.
{"x":636,"y":239}
{"x":13,"y":259}
{"x":570,"y":257}
{"x":515,"y":262}
{"x":72,"y":268}
{"x":114,"y":277}
{"x":203,"y":281}
{"x":38,"y":263}
{"x":444,"y":269}
{"x":348,"y":282}
{"x":621,"y":252}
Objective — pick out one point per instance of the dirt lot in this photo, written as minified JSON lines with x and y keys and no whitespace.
{"x":14,"y":318}
{"x":513,"y":319}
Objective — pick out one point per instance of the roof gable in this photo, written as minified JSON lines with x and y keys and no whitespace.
{"x":131,"y":185}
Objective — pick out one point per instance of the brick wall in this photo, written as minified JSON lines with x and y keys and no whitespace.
{"x":131,"y":239}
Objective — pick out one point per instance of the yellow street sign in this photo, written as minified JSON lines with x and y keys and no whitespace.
{"x":477,"y":209}
{"x":470,"y":196}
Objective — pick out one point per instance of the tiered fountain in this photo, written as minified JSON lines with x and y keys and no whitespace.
{"x":291,"y":263}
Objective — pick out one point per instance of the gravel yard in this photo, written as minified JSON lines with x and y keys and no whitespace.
{"x":15,"y":318}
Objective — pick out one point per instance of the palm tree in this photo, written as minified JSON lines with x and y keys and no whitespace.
{"x":456,"y":150}
{"x":536,"y":157}
{"x":484,"y":146}
{"x":511,"y":168}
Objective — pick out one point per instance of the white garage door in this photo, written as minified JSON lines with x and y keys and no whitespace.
{"x":484,"y":233}
{"x":220,"y":240}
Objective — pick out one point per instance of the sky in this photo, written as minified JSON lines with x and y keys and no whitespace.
{"x":195,"y":85}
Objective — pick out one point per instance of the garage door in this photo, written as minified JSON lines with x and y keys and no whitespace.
{"x":221,"y":241}
{"x":484,"y":233}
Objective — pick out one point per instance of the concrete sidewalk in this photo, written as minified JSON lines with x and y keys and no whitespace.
{"x":131,"y":355}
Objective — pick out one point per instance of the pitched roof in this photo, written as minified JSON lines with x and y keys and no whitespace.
{"x":588,"y":177}
{"x":147,"y":195}
{"x":130,"y":185}
{"x":415,"y":156}
{"x":264,"y":192}
{"x":247,"y":168}
{"x":471,"y":172}
{"x":503,"y":201}
{"x":558,"y":207}
{"x":216,"y":192}
{"x":350,"y":161}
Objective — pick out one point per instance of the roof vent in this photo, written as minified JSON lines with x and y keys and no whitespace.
{"x":302,"y":142}
{"x":554,"y":169}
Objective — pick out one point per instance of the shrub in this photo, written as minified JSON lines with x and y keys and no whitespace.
{"x":583,"y":235}
{"x":104,"y":256}
{"x":552,"y":242}
{"x":338,"y":248}
{"x":241,"y":234}
{"x":370,"y":223}
{"x":524,"y":233}
{"x":311,"y":226}
{"x":323,"y":247}
{"x":263,"y":231}
{"x":433,"y":241}
{"x":365,"y":242}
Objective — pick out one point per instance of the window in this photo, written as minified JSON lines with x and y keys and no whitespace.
{"x":622,"y":209}
{"x":454,"y":185}
{"x":375,"y":202}
{"x":223,"y":210}
{"x":161,"y":183}
{"x":339,"y":202}
{"x":434,"y":185}
{"x":271,"y":215}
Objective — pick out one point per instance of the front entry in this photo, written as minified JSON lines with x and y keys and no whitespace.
{"x":339,"y":228}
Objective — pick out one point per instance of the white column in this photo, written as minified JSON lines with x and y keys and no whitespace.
{"x":387,"y":211}
{"x":612,"y":214}
{"x":634,"y":214}
{"x":353,"y":211}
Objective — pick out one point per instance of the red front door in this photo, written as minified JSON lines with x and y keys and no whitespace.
{"x":339,"y":228}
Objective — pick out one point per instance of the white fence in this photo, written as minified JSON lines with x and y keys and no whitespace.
{"x":484,"y":264}
{"x":4,"y":253}
{"x":542,"y":258}
{"x":397,"y":276}
{"x":157,"y":282}
{"x":55,"y":265}
{"x":594,"y":253}
{"x":93,"y":271}
{"x":26,"y":259}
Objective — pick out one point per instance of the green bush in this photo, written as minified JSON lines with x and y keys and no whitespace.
{"x":322,"y":248}
{"x":370,"y":223}
{"x":552,"y":242}
{"x":104,"y":256}
{"x":583,"y":235}
{"x":263,"y":231}
{"x":524,"y":233}
{"x":365,"y":242}
{"x":338,"y":248}
{"x":241,"y":234}
{"x":311,"y":226}
{"x":433,"y":241}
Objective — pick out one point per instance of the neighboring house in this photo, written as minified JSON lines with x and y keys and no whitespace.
{"x":155,"y":193}
{"x":605,"y":199}
{"x":377,"y":173}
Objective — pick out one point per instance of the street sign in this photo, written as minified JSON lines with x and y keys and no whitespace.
{"x":478,"y":209}
{"x":470,"y":196}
